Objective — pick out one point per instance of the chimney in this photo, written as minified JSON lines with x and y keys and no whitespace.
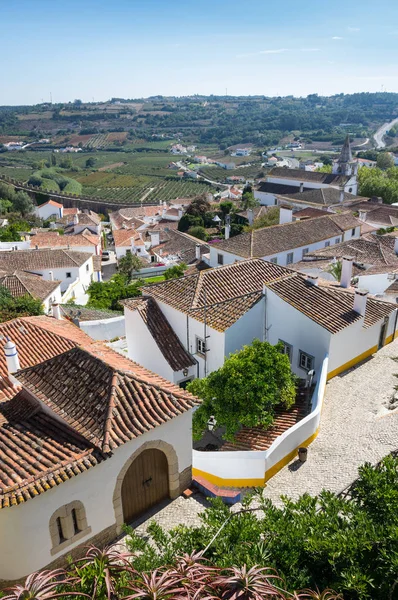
{"x":197,"y":251}
{"x":285,"y":215}
{"x":301,"y":187}
{"x":56,"y":311}
{"x":227,"y":231}
{"x":75,"y":219}
{"x":341,"y":197}
{"x":360,"y":298}
{"x":51,"y":276}
{"x":346,"y":271}
{"x":396,"y":246}
{"x":362,"y":215}
{"x":312,"y":279}
{"x":250,"y":216}
{"x":12,"y":359}
{"x":179,"y":213}
{"x":36,"y":247}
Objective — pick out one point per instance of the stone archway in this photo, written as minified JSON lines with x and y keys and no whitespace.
{"x":173,"y":476}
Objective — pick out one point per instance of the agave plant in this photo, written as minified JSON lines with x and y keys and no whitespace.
{"x":317,"y":595}
{"x":253,"y":584}
{"x":99,"y":568}
{"x":41,"y":586}
{"x":191,"y":572}
{"x":156,"y":586}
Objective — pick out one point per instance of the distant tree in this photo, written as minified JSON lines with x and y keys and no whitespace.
{"x":35,"y":180}
{"x":325,"y":158}
{"x":12,"y":308}
{"x":384,"y":161}
{"x":248,"y":200}
{"x":5,"y":206}
{"x":22,"y":203}
{"x":198,"y":232}
{"x":325,"y":169}
{"x":199,"y":206}
{"x":245,"y":390}
{"x":78,"y":102}
{"x":53,"y":159}
{"x":90,"y":162}
{"x":271,"y":217}
{"x":226,"y":207}
{"x":188,"y":221}
{"x":66,"y":163}
{"x":128,"y":264}
{"x":335,"y":270}
{"x":106,"y":294}
{"x":175,"y":272}
{"x":7,"y":192}
{"x":10,"y":233}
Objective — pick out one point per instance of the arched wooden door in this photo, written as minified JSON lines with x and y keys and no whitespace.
{"x":145,"y":484}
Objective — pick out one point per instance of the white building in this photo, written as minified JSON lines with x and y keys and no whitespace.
{"x":130,"y":240}
{"x":218,"y":311}
{"x":23,"y":283}
{"x":49,"y":210}
{"x":73,"y":269}
{"x":77,"y":446}
{"x":81,"y":242}
{"x":287,"y":243}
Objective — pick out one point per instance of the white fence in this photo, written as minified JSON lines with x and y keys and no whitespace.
{"x":254,"y":468}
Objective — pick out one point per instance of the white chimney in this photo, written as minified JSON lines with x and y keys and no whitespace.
{"x":341,"y":197}
{"x":197,"y":251}
{"x":12,"y":359}
{"x":250,"y":216}
{"x":312,"y":279}
{"x":362,"y":215}
{"x":396,"y":245}
{"x":346,"y":271}
{"x":75,"y":219}
{"x":285,"y":215}
{"x":51,"y":276}
{"x":56,"y":311}
{"x":179,"y":213}
{"x":360,"y":298}
{"x":301,"y":187}
{"x":227,"y":231}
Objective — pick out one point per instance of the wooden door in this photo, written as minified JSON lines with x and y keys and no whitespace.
{"x":145,"y":484}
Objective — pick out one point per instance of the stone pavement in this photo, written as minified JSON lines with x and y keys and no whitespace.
{"x":355,"y":427}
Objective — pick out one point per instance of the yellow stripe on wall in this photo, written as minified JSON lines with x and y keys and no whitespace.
{"x":352,"y":362}
{"x":228,"y":482}
{"x":286,"y":459}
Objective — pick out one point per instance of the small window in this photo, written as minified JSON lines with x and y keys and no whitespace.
{"x":274,"y":260}
{"x":68,"y":275}
{"x":200,"y":346}
{"x":220,"y":259}
{"x":76,"y":528}
{"x":305,"y":251}
{"x":289,"y":258}
{"x":353,"y":231}
{"x":327,"y":244}
{"x":350,"y":190}
{"x":287,"y":349}
{"x":337,"y":241}
{"x":87,"y":267}
{"x":61,"y":536}
{"x":306,"y":361}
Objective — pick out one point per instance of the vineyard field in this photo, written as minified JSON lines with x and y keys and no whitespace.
{"x":170,"y":190}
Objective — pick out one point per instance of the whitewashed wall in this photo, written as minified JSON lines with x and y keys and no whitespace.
{"x":24,"y":245}
{"x":375,"y":284}
{"x":25,"y":542}
{"x":249,"y":327}
{"x":46,"y":211}
{"x":55,"y":296}
{"x":104,"y":329}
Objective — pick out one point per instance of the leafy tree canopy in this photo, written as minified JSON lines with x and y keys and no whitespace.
{"x":12,"y":308}
{"x":199,"y":206}
{"x":384,"y":161}
{"x":22,"y":203}
{"x":106,"y":294}
{"x":128,"y":264}
{"x":198,"y":232}
{"x":245,"y":390}
{"x":188,"y":221}
{"x":271,"y":217}
{"x":376,"y":182}
{"x":175,"y":272}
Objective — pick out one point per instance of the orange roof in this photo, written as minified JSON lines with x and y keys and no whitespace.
{"x":123,"y":237}
{"x":52,"y":203}
{"x":52,"y":240}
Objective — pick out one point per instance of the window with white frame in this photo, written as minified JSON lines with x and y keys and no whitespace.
{"x":287,"y":349}
{"x":305,"y":251}
{"x":289,"y":258}
{"x":200,"y":346}
{"x":274,"y":260}
{"x":327,"y":244}
{"x":306,"y":361}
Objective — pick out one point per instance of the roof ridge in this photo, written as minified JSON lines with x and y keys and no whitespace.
{"x":247,"y":295}
{"x":108,"y":421}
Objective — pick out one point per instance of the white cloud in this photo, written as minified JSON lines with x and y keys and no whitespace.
{"x":353,"y":29}
{"x":336,"y":37}
{"x":309,"y":50}
{"x":278,"y":51}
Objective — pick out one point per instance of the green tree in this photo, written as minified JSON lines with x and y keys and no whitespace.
{"x":12,"y":308}
{"x":106,"y":294}
{"x":248,"y":199}
{"x":10,"y":233}
{"x":188,"y":221}
{"x":384,"y":161}
{"x":128,"y":264}
{"x":90,"y":162}
{"x":53,"y":159}
{"x":7,"y":192}
{"x":335,"y":270}
{"x":199,"y":206}
{"x":5,"y":206}
{"x":22,"y":203}
{"x":198,"y":232}
{"x":226,"y":207}
{"x":245,"y":390}
{"x":176,"y":271}
{"x":271,"y":217}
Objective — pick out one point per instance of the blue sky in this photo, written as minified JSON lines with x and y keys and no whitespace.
{"x":99,"y":49}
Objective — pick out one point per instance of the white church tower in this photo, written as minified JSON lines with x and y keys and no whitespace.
{"x":346,"y":166}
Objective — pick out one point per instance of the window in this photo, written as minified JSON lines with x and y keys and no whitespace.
{"x":274,"y":260}
{"x":337,"y":241}
{"x":327,"y":244}
{"x":287,"y":349}
{"x":67,"y":525}
{"x":306,"y":361}
{"x":68,"y":275}
{"x":220,"y":259}
{"x":305,"y":251}
{"x":353,"y":231}
{"x":87,"y":267}
{"x":289,"y":258}
{"x":350,"y":190}
{"x":200,"y":346}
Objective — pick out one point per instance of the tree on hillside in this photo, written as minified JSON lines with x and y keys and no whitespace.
{"x":90,"y":162}
{"x":22,"y":203}
{"x":245,"y":390}
{"x":12,"y":308}
{"x":7,"y":192}
{"x":384,"y":161}
{"x":129,"y":264}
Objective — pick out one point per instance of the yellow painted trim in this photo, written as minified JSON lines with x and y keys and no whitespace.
{"x":228,"y":482}
{"x":389,"y":339}
{"x":352,"y":362}
{"x":286,"y":459}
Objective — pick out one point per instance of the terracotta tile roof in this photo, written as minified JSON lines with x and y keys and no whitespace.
{"x":105,"y":405}
{"x":309,"y":213}
{"x":223,"y":315}
{"x":83,"y":313}
{"x":182,"y":245}
{"x":311,"y":176}
{"x":376,"y":213}
{"x":257,"y":438}
{"x":258,"y":211}
{"x":372,"y":250}
{"x":32,"y":260}
{"x":278,"y":188}
{"x":51,"y":203}
{"x":329,"y":306}
{"x":161,"y":331}
{"x":71,"y":211}
{"x":321,"y":196}
{"x":122,"y":237}
{"x":280,"y":238}
{"x":20,"y":283}
{"x":54,"y":240}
